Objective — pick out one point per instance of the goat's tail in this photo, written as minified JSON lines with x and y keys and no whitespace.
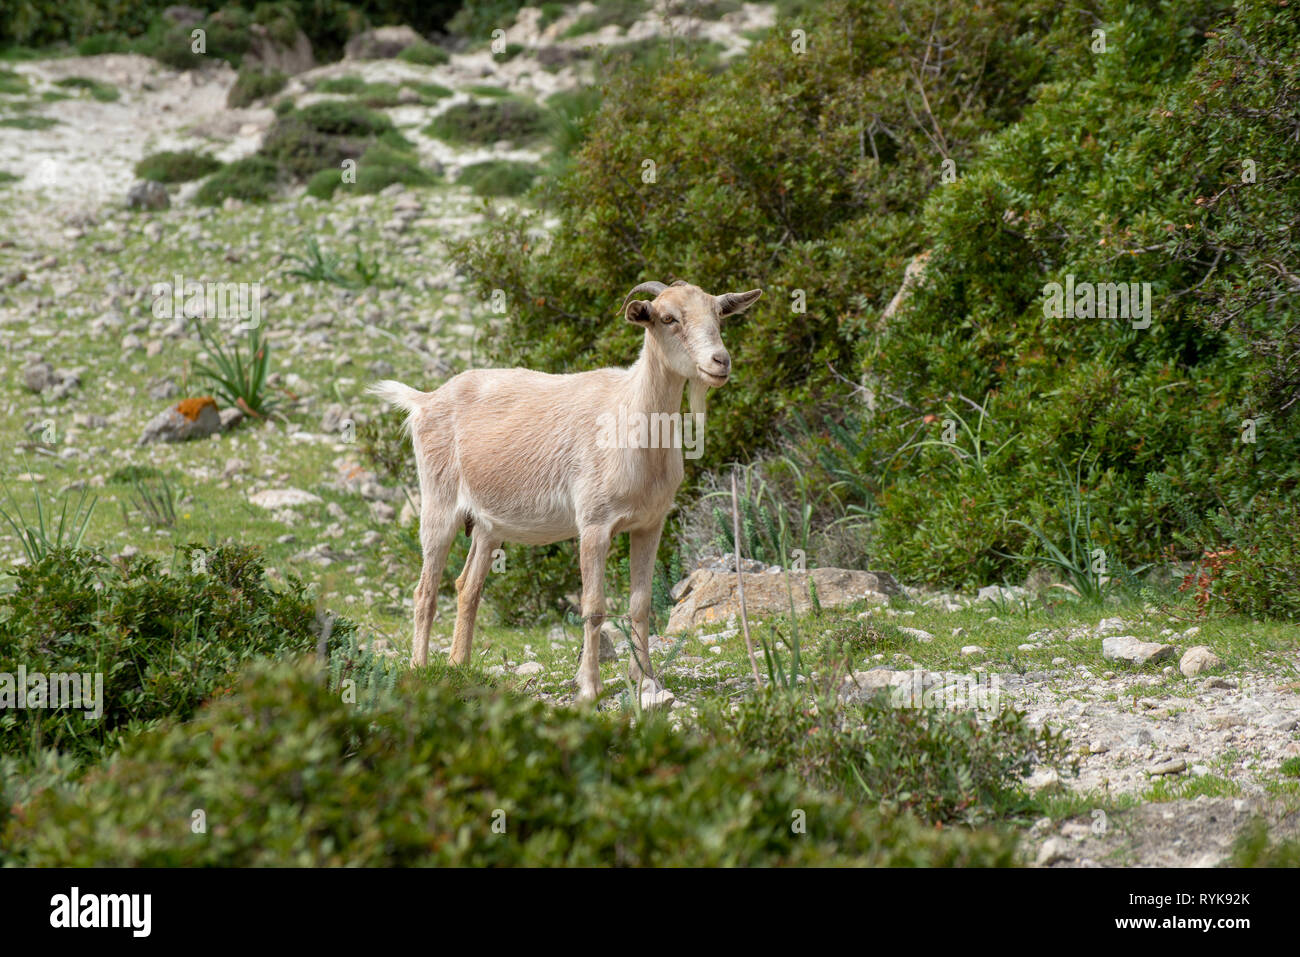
{"x":402,"y":396}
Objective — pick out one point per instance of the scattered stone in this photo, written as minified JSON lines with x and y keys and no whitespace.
{"x":382,"y":43}
{"x":275,"y":498}
{"x":969,"y":651}
{"x":654,"y":695}
{"x":529,"y":668}
{"x":609,"y":634}
{"x":1198,"y":659}
{"x":710,"y":596}
{"x":231,"y":417}
{"x":919,"y":634}
{"x":1174,"y":766}
{"x":1130,"y":649}
{"x":1108,"y":626}
{"x":1054,"y":849}
{"x":188,"y":419}
{"x":147,"y":194}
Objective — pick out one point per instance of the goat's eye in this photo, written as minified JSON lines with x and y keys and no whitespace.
{"x":669,"y":320}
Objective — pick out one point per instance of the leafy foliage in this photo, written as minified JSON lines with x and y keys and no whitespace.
{"x":286,"y":773}
{"x":165,"y":640}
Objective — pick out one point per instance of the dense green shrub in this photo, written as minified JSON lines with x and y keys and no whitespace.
{"x":1064,"y":162}
{"x":164,"y":640}
{"x":176,"y":167}
{"x":475,"y":122}
{"x":425,"y":54}
{"x":793,"y":172}
{"x":324,"y":134}
{"x":287,"y":774}
{"x":379,"y":167}
{"x":252,"y":179}
{"x":253,"y":85}
{"x":498,"y":177}
{"x":327,"y":23}
{"x":944,"y":766}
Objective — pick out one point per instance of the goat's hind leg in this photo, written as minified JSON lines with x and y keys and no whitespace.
{"x":437,"y":531}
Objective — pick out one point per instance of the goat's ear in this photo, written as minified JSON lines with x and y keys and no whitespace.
{"x":641,"y":311}
{"x":733,"y":302}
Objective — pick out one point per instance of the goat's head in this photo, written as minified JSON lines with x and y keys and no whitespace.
{"x":685,"y":322}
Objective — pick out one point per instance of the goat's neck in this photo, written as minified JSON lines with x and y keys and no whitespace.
{"x":653,"y":386}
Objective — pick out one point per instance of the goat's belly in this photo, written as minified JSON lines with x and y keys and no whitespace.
{"x":526,"y":523}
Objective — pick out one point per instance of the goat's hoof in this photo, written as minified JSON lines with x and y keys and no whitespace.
{"x":588,"y":691}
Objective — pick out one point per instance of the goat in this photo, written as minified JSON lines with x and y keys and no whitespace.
{"x":514,"y":455}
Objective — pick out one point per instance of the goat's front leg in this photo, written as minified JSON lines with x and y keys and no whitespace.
{"x":593,"y":549}
{"x":643,"y":546}
{"x":469,"y":588}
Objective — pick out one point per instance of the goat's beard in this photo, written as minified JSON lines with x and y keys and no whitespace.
{"x":699,"y":397}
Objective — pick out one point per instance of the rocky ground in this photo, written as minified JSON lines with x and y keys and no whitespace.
{"x":1174,"y":758}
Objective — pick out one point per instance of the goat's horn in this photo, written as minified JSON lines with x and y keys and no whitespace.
{"x":648,"y":286}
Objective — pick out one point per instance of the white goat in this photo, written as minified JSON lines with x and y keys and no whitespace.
{"x":514,"y":455}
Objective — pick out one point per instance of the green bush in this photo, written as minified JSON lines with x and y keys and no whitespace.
{"x":475,"y":122}
{"x":347,"y":84}
{"x":342,"y":118}
{"x":176,"y":167}
{"x":165,"y":640}
{"x":498,"y":177}
{"x":1065,"y":163}
{"x":943,"y":766}
{"x":324,"y":134}
{"x":252,"y":179}
{"x":253,"y":85}
{"x":287,"y":774}
{"x":425,"y":54}
{"x":101,"y":43}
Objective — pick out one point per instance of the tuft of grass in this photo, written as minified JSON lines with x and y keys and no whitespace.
{"x":46,"y":533}
{"x":253,"y":85}
{"x":347,"y":85}
{"x":104,"y":92}
{"x":425,"y":54}
{"x":252,"y":180}
{"x":7,"y":177}
{"x":12,"y":83}
{"x":181,"y":166}
{"x":474,"y":122}
{"x":498,"y":177}
{"x":28,"y":122}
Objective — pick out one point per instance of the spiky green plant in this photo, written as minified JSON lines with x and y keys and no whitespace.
{"x":238,"y":374}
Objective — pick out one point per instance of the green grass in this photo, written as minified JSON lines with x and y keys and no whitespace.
{"x":425,"y":54}
{"x":28,"y":122}
{"x":252,"y":179}
{"x":498,"y":177}
{"x":104,"y":92}
{"x":253,"y":85}
{"x":475,"y":122}
{"x":176,"y":167}
{"x":12,"y":83}
{"x":7,"y":177}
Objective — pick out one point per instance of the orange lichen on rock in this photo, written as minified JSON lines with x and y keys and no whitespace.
{"x":192,"y":408}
